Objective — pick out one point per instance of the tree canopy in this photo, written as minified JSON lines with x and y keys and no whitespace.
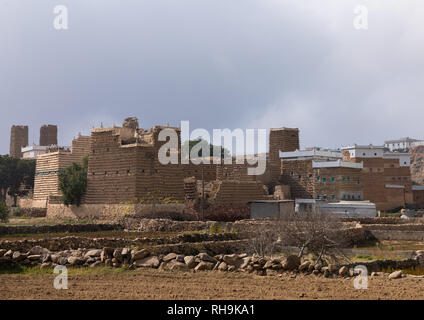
{"x":219,"y":149}
{"x":16,"y":176}
{"x":73,"y":183}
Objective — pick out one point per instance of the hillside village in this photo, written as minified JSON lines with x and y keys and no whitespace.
{"x":123,"y":165}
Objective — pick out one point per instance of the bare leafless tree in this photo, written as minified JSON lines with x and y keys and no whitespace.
{"x":263,"y":237}
{"x":312,"y":231}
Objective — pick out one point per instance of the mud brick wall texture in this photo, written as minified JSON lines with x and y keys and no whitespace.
{"x":373,"y":180}
{"x":48,"y":135}
{"x":122,"y":172}
{"x":18,"y":139}
{"x":111,"y":171}
{"x":238,"y":192}
{"x":49,"y":166}
{"x":284,"y":140}
{"x":338,"y":183}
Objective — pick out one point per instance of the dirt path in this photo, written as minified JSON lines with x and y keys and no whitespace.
{"x":155,"y":284}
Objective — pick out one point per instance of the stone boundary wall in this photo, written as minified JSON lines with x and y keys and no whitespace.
{"x":33,"y":212}
{"x":398,"y":235}
{"x":110,"y":211}
{"x":380,"y":265}
{"x":59,"y":228}
{"x":395,"y":227}
{"x":71,"y":242}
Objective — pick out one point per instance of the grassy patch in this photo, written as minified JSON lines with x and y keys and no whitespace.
{"x":416,"y":271}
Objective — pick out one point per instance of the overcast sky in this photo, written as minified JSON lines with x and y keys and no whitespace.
{"x":218,"y":63}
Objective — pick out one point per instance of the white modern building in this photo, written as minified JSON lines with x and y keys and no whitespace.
{"x":314,"y":153}
{"x":402,"y":144}
{"x":32,"y":152}
{"x":342,"y":209}
{"x":404,"y":158}
{"x":363,"y":151}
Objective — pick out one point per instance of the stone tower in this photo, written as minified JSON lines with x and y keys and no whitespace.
{"x":284,"y":140}
{"x":18,"y":139}
{"x":48,"y":135}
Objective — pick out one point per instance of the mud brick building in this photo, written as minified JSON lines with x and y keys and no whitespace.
{"x":50,"y":164}
{"x":18,"y":140}
{"x":124,"y":165}
{"x":321,"y":174}
{"x":48,"y":135}
{"x":386,"y":176}
{"x":418,"y":195}
{"x":284,"y":140}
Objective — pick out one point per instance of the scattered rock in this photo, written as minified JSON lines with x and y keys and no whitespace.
{"x":169,"y":257}
{"x":95,"y":264}
{"x":93,"y":253}
{"x":223,"y":266}
{"x":190,"y":261}
{"x":8,"y":254}
{"x":246,"y":261}
{"x":231,"y":268}
{"x":205,"y":257}
{"x":343,"y":271}
{"x":332,"y":268}
{"x":55,"y":258}
{"x":117,"y":254}
{"x":34,"y":257}
{"x":204,"y":265}
{"x":396,"y":274}
{"x":152,"y":262}
{"x":304,"y":266}
{"x":125,"y":252}
{"x":17,"y":256}
{"x":292,"y":262}
{"x":140,"y":254}
{"x":38,"y":250}
{"x":180,"y":258}
{"x":232,"y":260}
{"x":176,"y":265}
{"x":74,"y":260}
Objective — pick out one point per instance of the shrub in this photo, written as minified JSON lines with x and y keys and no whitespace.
{"x":73,"y":183}
{"x":4,"y":212}
{"x":17,"y":212}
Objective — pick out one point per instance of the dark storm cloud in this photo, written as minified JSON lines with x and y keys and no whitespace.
{"x":219,"y":64}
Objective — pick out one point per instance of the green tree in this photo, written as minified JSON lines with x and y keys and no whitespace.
{"x":220,"y":150}
{"x":73,"y":183}
{"x":4,"y":212}
{"x":16,"y":177}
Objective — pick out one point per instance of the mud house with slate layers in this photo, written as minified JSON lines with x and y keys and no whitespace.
{"x":321,"y":174}
{"x":50,"y":164}
{"x":123,"y":167}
